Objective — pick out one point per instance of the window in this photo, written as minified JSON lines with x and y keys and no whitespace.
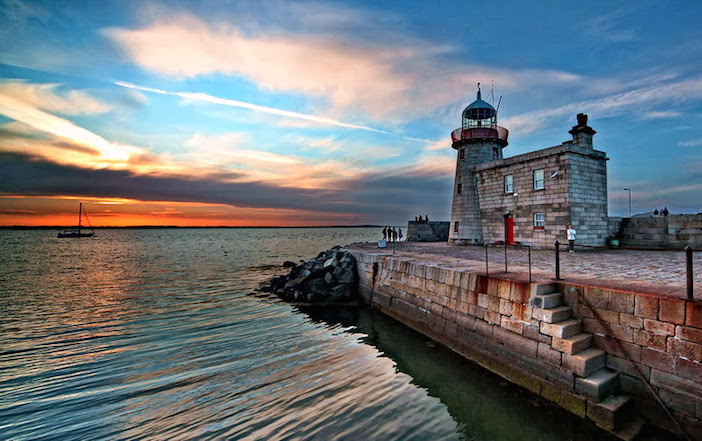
{"x":539,"y":221}
{"x":509,"y":187}
{"x":538,"y":179}
{"x":462,"y":154}
{"x":455,"y":227}
{"x":459,"y":188}
{"x":495,"y":153}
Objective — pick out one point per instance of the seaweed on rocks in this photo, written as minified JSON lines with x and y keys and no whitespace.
{"x":330,"y":278}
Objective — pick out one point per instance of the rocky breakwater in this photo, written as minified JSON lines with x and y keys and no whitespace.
{"x":331,"y":277}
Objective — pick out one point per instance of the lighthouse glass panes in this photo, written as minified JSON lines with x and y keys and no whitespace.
{"x":479,"y":117}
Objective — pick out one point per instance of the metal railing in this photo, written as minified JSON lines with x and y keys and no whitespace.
{"x":505,"y":247}
{"x":519,"y":260}
{"x":480,"y":133}
{"x":690,"y":277}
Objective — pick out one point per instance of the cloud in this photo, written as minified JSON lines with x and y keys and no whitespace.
{"x":244,"y":105}
{"x":661,"y":114}
{"x":19,"y":11}
{"x":39,"y":133}
{"x":384,"y":80}
{"x":184,"y":46}
{"x":47,"y":97}
{"x":636,"y":101}
{"x":691,"y":143}
{"x":609,"y":27}
{"x":375,"y":193}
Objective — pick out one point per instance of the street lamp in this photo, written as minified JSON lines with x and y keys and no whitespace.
{"x":629,"y":190}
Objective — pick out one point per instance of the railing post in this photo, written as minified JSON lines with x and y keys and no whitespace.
{"x":558,"y":260}
{"x":690,"y":275}
{"x":529,"y":248}
{"x":505,"y":256}
{"x":487,"y":271}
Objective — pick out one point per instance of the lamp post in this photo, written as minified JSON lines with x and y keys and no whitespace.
{"x":629,"y":190}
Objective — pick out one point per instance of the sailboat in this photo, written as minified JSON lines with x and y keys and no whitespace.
{"x":76,"y":232}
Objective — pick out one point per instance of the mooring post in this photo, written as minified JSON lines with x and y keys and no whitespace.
{"x":558,"y":261}
{"x":529,"y":248}
{"x":487,"y":272}
{"x":690,"y":275}
{"x":505,"y":256}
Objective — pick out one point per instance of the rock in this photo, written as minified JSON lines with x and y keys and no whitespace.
{"x":331,"y":262}
{"x":348,"y":276}
{"x":331,"y":277}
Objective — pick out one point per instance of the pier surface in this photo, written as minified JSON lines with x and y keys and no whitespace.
{"x":656,"y":272}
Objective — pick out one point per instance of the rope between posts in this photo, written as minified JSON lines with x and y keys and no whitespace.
{"x":609,"y":335}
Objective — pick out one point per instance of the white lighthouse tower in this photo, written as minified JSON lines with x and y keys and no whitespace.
{"x":479,"y":140}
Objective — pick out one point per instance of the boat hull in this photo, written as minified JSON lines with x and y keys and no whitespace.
{"x":62,"y":235}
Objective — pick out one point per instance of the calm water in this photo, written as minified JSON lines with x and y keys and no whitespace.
{"x":150,"y":334}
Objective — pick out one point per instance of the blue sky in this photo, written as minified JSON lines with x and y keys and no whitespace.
{"x":295,"y":113}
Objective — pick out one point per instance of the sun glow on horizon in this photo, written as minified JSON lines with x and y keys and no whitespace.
{"x":62,"y":211}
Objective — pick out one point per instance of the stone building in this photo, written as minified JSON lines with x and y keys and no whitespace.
{"x":530,"y":198}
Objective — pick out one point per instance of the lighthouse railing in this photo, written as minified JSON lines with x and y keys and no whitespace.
{"x":480,"y":133}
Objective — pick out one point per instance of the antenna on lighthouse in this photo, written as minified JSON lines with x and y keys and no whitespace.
{"x":492,"y":92}
{"x":498,"y":104}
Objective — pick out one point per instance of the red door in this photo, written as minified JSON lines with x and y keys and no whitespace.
{"x":509,"y":229}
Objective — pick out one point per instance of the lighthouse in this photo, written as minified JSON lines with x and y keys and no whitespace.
{"x":478,"y":141}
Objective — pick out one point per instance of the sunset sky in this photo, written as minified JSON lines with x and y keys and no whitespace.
{"x":329,"y":113}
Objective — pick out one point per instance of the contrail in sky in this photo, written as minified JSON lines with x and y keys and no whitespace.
{"x":244,"y":105}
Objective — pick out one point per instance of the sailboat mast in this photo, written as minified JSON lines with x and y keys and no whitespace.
{"x":80,"y":214}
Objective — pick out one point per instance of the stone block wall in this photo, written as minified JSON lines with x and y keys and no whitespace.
{"x":587,"y":173}
{"x":575,"y":191}
{"x":662,"y":336}
{"x":673,"y":231}
{"x":552,"y":200}
{"x":492,"y":322}
{"x":465,"y":208}
{"x":427,"y":231}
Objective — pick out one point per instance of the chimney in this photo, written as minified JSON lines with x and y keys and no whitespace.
{"x":582,"y":133}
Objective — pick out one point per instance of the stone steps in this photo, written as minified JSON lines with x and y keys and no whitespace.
{"x":552,"y":315}
{"x":585,"y":363}
{"x":573,"y":344}
{"x":615,"y":416}
{"x":547,"y":301}
{"x":630,"y":429}
{"x":593,"y":380}
{"x":598,"y":385}
{"x":563,"y":329}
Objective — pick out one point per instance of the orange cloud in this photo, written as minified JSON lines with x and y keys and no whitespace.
{"x":47,"y":97}
{"x":62,"y":211}
{"x":185,"y":46}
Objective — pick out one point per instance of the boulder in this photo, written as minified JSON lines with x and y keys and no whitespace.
{"x":331,"y":277}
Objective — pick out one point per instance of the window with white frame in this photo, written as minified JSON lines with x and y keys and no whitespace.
{"x":538,"y":179}
{"x":539,"y":220}
{"x":509,"y":184}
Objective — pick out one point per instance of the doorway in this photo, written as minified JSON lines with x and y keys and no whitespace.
{"x":509,"y":229}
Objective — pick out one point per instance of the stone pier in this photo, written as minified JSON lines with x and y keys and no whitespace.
{"x":591,"y":350}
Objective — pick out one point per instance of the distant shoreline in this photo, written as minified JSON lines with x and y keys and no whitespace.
{"x":153,"y":227}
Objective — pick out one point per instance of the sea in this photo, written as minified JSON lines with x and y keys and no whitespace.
{"x":155,"y":334}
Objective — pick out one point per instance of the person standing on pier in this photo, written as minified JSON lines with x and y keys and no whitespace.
{"x":571,"y":233}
